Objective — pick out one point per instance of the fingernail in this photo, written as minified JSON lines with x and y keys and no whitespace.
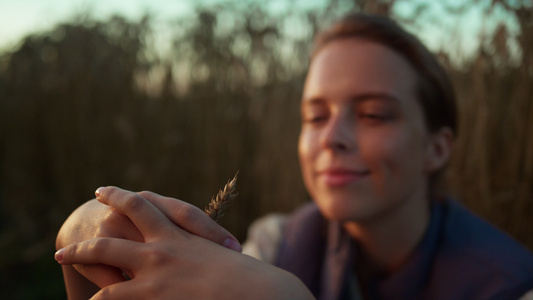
{"x":232,"y":244}
{"x":99,"y":192}
{"x":59,"y":255}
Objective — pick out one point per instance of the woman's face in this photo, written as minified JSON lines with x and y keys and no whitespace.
{"x":364,"y":148}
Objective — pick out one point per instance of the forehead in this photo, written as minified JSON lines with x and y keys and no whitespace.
{"x":346,"y":68}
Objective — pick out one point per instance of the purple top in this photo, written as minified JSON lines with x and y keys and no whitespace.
{"x":460,"y":257}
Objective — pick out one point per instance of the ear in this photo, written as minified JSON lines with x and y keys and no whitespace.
{"x":439,"y":149}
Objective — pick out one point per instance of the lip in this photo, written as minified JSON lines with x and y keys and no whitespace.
{"x":339,"y":177}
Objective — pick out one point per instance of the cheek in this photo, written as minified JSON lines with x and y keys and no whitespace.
{"x":303,"y":149}
{"x":394,"y":153}
{"x":308,"y":146}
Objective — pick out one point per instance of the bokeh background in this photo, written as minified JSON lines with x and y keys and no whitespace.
{"x":179,"y":104}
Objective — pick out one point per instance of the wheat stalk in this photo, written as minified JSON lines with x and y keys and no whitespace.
{"x":218,"y":205}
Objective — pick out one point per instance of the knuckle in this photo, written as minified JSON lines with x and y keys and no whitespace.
{"x":109,"y":191}
{"x":188,"y":214}
{"x":157,"y":257}
{"x":99,"y":246}
{"x":133,"y":202}
{"x":103,"y":294}
{"x":197,"y":221}
{"x":71,"y":251}
{"x":146,"y":194}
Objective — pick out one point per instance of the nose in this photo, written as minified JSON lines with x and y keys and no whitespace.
{"x":339,"y":134}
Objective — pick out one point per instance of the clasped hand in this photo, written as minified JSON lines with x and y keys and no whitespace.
{"x":190,"y":261}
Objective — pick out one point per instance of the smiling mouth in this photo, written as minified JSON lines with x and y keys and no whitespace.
{"x":342,"y":177}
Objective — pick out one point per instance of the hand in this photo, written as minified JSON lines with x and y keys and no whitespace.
{"x":94,"y":219}
{"x":172,"y":263}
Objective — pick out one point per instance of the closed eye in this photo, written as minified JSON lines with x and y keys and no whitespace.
{"x":374,"y":119}
{"x":314,"y":111}
{"x":375,"y":116}
{"x":315,"y":120}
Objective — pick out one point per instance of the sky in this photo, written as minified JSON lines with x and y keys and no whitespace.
{"x":19,"y":18}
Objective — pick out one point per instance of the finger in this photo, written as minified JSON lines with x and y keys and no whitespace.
{"x":108,"y":251}
{"x":193,"y":220}
{"x":122,"y":290}
{"x":149,"y":220}
{"x":101,"y":275}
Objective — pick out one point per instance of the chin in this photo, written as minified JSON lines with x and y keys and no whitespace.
{"x":341,"y":210}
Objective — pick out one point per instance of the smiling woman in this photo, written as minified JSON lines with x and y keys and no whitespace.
{"x":357,"y":153}
{"x":378,"y":123}
{"x":379,"y":120}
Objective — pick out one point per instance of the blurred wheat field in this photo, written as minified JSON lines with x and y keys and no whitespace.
{"x":90,"y":104}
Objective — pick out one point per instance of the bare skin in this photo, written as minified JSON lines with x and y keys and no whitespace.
{"x":94,"y":219}
{"x":194,"y":264}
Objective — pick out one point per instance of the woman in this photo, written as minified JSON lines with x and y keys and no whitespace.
{"x":378,"y":121}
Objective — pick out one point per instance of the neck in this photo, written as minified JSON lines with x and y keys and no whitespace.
{"x":387,"y":241}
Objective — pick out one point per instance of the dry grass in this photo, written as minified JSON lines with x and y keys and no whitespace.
{"x":220,"y":203}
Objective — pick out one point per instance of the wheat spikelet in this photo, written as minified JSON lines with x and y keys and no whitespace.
{"x":222,"y":200}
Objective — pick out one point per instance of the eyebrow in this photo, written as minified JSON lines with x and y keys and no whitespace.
{"x":311,"y":101}
{"x":356,"y":98}
{"x":377,"y":96}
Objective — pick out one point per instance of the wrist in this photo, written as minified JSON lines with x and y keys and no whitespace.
{"x":274,"y":283}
